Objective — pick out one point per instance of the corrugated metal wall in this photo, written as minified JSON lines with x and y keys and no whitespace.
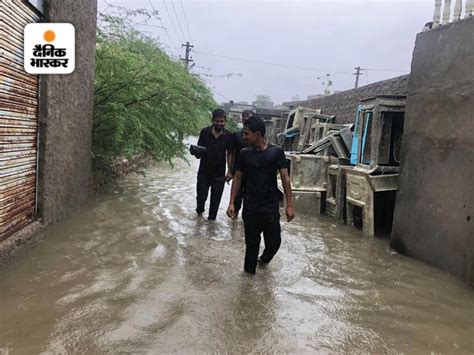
{"x":18,"y":121}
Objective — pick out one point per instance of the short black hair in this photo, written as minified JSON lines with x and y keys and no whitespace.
{"x":219,"y":113}
{"x":249,"y":113}
{"x":255,"y":124}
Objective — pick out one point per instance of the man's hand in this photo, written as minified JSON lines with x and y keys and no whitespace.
{"x":285,"y":179}
{"x":231,"y":211}
{"x":290,"y":213}
{"x":229,"y":176}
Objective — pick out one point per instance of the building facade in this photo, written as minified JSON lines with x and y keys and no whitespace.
{"x":45,"y":123}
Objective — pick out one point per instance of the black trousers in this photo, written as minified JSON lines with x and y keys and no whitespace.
{"x":204,"y":182}
{"x":239,"y":197}
{"x":255,"y":223}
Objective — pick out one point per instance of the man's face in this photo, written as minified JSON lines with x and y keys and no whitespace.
{"x":219,"y":123}
{"x":249,"y":137}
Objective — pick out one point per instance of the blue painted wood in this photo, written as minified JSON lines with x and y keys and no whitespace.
{"x":355,"y":138}
{"x":364,"y":137}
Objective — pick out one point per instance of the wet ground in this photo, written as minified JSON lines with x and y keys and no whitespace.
{"x":135,"y":270}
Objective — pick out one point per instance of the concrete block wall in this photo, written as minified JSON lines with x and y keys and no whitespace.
{"x":434,"y":212}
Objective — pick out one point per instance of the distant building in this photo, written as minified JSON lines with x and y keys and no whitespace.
{"x":268,"y":105}
{"x":268,"y":114}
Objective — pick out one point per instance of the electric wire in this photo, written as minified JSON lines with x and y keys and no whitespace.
{"x":186,"y":21}
{"x":164,"y":28}
{"x":172,"y":22}
{"x":388,"y":70}
{"x":177,"y":19}
{"x":293,"y":66}
{"x":273,"y":64}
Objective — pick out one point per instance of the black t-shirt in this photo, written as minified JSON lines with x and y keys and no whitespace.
{"x":213,"y":163}
{"x":239,"y":145}
{"x":259,"y":169}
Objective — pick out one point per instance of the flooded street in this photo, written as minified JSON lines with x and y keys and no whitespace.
{"x":135,"y":270}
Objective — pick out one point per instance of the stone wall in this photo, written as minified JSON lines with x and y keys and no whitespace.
{"x":434,"y":213}
{"x":343,"y":105}
{"x":65,"y":117}
{"x":120,"y":167}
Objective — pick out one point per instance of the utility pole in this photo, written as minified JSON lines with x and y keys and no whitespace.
{"x":357,"y":74}
{"x":187,"y":59}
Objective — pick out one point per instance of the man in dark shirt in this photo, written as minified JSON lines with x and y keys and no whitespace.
{"x":239,"y":145}
{"x":258,"y":165}
{"x":220,"y":146}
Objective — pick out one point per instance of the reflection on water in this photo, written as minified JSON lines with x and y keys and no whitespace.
{"x":135,"y":270}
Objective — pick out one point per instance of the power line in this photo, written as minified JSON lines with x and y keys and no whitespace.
{"x":177,"y":19}
{"x":389,"y":70}
{"x":225,"y":97}
{"x":163,"y":26}
{"x":204,"y":68}
{"x":228,"y":75}
{"x":172,"y":22}
{"x":186,"y":20}
{"x":274,"y":64}
{"x":291,"y":66}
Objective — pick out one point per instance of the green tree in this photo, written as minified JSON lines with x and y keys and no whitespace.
{"x":145,"y":101}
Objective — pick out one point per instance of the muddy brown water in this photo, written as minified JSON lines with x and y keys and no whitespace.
{"x":135,"y":270}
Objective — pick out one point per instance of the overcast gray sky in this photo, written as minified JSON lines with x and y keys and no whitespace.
{"x":327,"y":36}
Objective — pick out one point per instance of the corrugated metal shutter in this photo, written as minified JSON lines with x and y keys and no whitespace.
{"x":18,"y":121}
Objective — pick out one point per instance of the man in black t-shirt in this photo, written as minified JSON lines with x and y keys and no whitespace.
{"x":212,"y":174}
{"x":258,"y":166}
{"x":239,"y":145}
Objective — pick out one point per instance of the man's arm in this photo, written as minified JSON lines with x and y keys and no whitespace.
{"x":230,"y":164}
{"x":235,"y":189}
{"x":200,"y":139}
{"x":285,"y":180}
